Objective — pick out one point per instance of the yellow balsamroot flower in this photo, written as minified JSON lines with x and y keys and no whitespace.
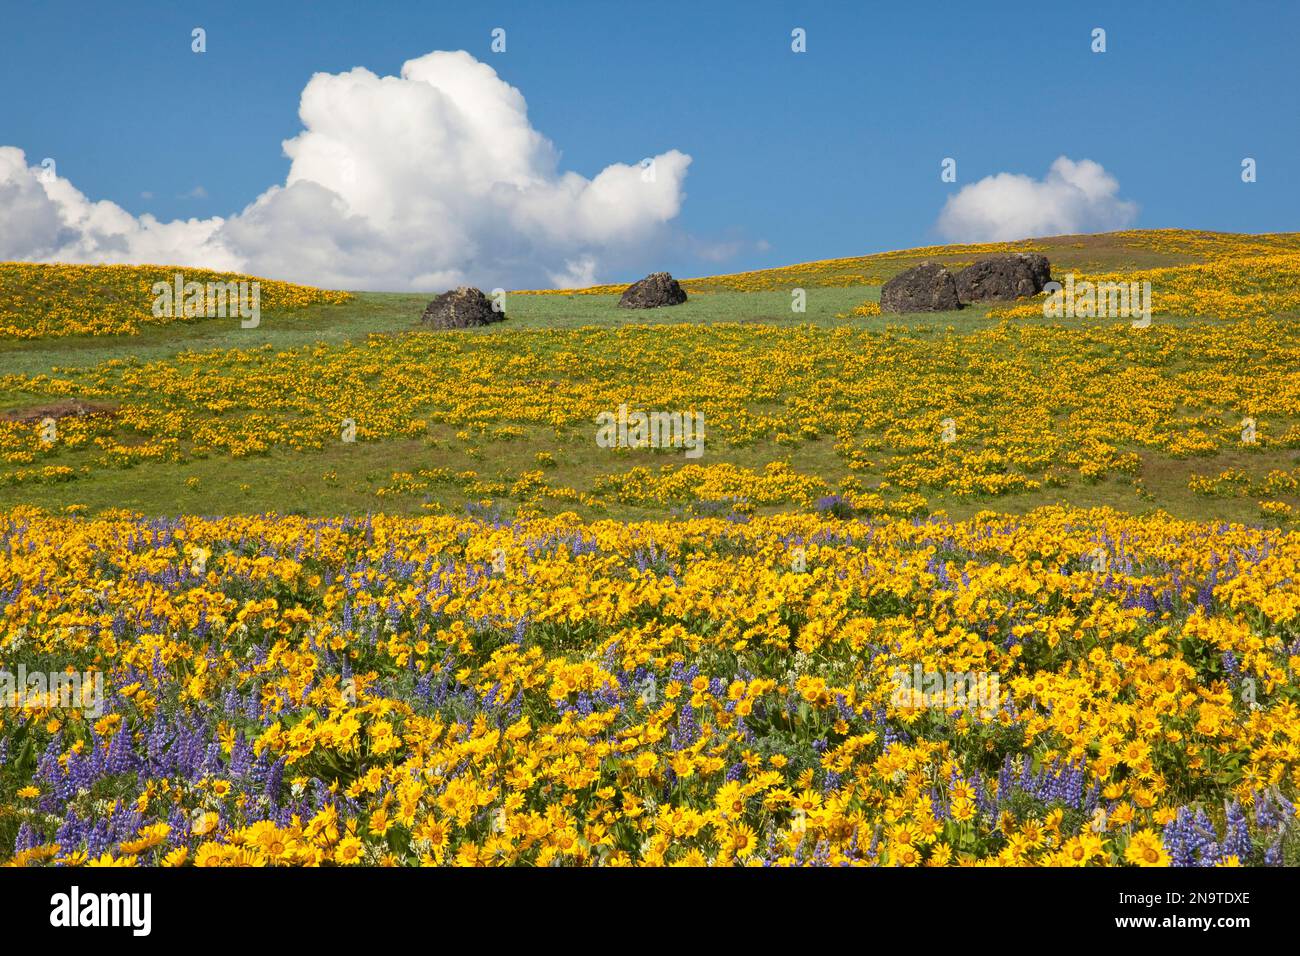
{"x":106,"y":726}
{"x":641,"y":758}
{"x":1005,"y":444}
{"x":644,"y":764}
{"x":742,"y":840}
{"x":47,"y":301}
{"x":349,"y":851}
{"x":940,"y":855}
{"x":904,"y":854}
{"x":1145,"y":849}
{"x":150,"y":836}
{"x":1080,"y":850}
{"x":210,"y":854}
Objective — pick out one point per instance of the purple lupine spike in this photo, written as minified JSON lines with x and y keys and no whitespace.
{"x":1236,"y":840}
{"x":275,"y":780}
{"x":26,"y":839}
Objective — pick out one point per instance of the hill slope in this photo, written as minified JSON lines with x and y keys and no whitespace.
{"x":207,"y":416}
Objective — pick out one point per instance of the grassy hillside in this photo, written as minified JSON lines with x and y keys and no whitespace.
{"x":205,"y":416}
{"x":470,"y":673}
{"x":58,"y":301}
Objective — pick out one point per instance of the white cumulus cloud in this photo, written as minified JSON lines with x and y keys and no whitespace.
{"x":1074,"y":197}
{"x":420,"y":181}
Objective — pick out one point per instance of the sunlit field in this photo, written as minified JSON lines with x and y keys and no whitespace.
{"x":976,"y":587}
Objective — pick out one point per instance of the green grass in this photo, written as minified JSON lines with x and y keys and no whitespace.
{"x":398,"y":313}
{"x":343,"y":478}
{"x":370,"y":312}
{"x":570,"y":311}
{"x":1104,"y":252}
{"x":383,"y":312}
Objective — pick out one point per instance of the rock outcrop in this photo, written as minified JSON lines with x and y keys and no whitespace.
{"x":655,"y":290}
{"x":1002,"y":278}
{"x":929,"y":287}
{"x":462,"y":308}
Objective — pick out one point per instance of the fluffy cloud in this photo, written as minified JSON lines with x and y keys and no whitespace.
{"x":1073,"y":197}
{"x":420,"y":181}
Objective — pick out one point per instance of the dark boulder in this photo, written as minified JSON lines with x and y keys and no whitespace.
{"x":1001,"y":278}
{"x":928,"y":287}
{"x":461,"y":308}
{"x":653,"y":291}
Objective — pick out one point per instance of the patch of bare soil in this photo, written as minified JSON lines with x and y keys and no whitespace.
{"x":63,"y":408}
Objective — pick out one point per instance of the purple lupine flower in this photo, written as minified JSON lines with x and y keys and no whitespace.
{"x":1236,"y":840}
{"x":1273,"y":855}
{"x":1231,"y":664}
{"x":274,"y":781}
{"x":27,"y":838}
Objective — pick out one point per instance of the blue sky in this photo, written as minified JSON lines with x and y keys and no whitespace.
{"x":833,"y":152}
